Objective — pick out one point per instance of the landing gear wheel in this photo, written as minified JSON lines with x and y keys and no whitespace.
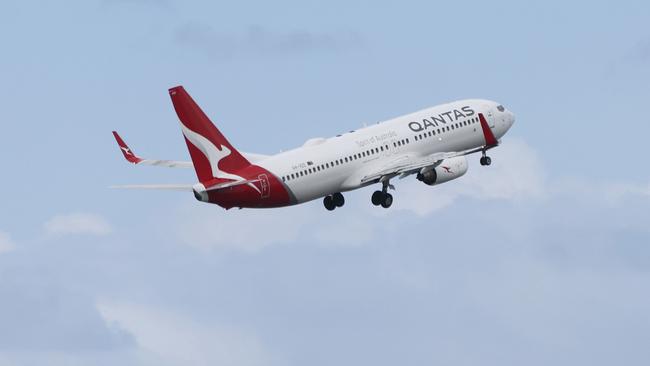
{"x":377,"y":198}
{"x":486,"y":160}
{"x":328,"y":202}
{"x":387,"y":201}
{"x":338,"y":199}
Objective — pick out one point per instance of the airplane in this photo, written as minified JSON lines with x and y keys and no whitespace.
{"x":431,"y":144}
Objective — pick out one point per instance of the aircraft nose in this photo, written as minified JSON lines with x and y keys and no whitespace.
{"x":510,"y":119}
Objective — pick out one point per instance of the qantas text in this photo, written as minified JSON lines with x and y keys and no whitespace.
{"x":443,"y":118}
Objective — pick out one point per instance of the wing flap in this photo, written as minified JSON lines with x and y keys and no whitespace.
{"x":404,"y":169}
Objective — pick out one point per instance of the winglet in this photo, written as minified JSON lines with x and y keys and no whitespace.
{"x":126,"y":151}
{"x":490,"y":140}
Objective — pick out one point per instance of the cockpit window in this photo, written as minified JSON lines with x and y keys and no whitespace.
{"x":500,"y":108}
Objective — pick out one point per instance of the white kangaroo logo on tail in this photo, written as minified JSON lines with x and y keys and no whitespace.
{"x":214,"y":155}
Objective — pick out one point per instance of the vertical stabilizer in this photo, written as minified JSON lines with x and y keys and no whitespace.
{"x":212,"y":155}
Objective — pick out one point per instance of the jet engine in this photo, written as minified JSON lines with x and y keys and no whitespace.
{"x":449,"y":169}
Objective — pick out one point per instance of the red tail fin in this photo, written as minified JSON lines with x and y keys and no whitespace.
{"x":212,"y":155}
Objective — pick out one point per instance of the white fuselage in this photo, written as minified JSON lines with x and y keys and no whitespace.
{"x":325,"y":166}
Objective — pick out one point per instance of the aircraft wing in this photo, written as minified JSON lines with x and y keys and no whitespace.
{"x":130,"y":156}
{"x":406,"y":165}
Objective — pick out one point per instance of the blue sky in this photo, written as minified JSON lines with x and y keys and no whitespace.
{"x":541,"y":258}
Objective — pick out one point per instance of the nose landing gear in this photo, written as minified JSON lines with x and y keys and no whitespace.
{"x":485,"y":160}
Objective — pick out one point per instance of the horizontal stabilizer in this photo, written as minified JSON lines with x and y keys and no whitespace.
{"x":166,"y":187}
{"x":231,"y":184}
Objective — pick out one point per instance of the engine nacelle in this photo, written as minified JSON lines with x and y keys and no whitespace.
{"x":449,"y":169}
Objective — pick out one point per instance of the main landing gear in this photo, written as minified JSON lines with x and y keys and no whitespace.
{"x":382,"y":198}
{"x":485,"y":160}
{"x":333,"y":201}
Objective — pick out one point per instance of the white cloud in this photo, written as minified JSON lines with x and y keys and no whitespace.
{"x":612,"y":193}
{"x":252,"y":230}
{"x":257,"y":40}
{"x":77,"y":223}
{"x":516,"y":174}
{"x":168,"y":338}
{"x":6,"y":244}
{"x":208,"y":227}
